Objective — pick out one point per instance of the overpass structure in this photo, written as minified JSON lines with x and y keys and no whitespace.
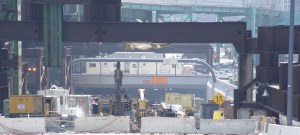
{"x":255,"y":13}
{"x":102,"y":24}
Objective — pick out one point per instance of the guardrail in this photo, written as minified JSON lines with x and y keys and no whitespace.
{"x":261,"y":4}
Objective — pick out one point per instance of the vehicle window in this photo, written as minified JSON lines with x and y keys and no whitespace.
{"x":61,"y":100}
{"x":133,"y":65}
{"x":92,"y":64}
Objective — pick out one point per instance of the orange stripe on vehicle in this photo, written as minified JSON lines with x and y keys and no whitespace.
{"x":160,"y":80}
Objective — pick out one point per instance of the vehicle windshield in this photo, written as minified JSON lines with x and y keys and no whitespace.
{"x":73,"y":111}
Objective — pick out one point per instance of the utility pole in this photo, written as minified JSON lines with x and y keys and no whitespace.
{"x":290,"y":66}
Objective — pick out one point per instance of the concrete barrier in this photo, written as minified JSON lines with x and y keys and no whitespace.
{"x":102,"y":124}
{"x":223,"y":87}
{"x":238,"y":126}
{"x":22,"y":125}
{"x":262,"y":123}
{"x":168,"y":125}
{"x":274,"y":129}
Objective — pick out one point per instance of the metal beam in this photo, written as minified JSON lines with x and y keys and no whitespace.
{"x":75,"y":1}
{"x":174,"y":32}
{"x":20,"y":31}
{"x":220,"y":32}
{"x":275,"y":39}
{"x":59,"y":1}
{"x":243,"y":90}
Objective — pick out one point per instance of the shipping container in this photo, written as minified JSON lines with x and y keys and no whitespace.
{"x":26,"y":104}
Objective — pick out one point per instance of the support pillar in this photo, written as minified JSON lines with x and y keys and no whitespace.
{"x":53,"y":34}
{"x":3,"y":76}
{"x":253,"y":22}
{"x":68,"y":68}
{"x":43,"y":72}
{"x":209,"y":56}
{"x":15,"y":74}
{"x":38,"y":71}
{"x":245,"y":73}
{"x":245,"y":77}
{"x":218,"y":46}
{"x":156,"y":17}
{"x":24,"y":78}
{"x":18,"y":76}
{"x":10,"y":13}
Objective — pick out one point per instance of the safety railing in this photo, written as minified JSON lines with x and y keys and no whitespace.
{"x":262,"y":4}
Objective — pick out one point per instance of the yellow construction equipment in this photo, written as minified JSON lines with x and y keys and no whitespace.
{"x":26,"y":104}
{"x":218,"y":114}
{"x":187,"y":101}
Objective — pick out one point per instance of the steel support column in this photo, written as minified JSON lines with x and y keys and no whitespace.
{"x":43,"y":72}
{"x":290,"y":65}
{"x":53,"y":34}
{"x":14,"y":51}
{"x":245,"y":73}
{"x":18,"y":78}
{"x":210,"y":56}
{"x":218,"y":48}
{"x":218,"y":45}
{"x":68,"y":68}
{"x":253,"y":22}
{"x":3,"y":76}
{"x":156,"y":16}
